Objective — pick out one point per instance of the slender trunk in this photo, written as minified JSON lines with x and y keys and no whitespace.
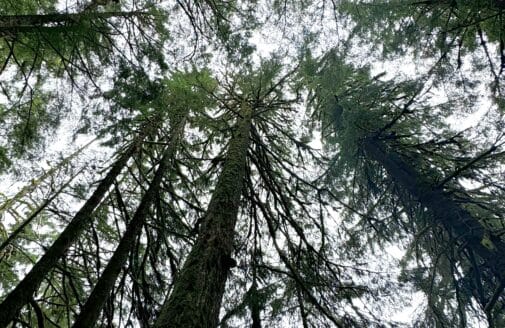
{"x":6,"y":205}
{"x":23,"y":292}
{"x":444,"y":209}
{"x":255,"y":305}
{"x":303,"y":313}
{"x":94,"y":304}
{"x":35,"y":214}
{"x":198,"y":290}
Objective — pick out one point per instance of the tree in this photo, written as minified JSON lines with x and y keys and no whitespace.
{"x":381,"y":123}
{"x":95,"y":301}
{"x":196,"y":298}
{"x":219,"y":208}
{"x":459,"y":36}
{"x":181,"y":98}
{"x":42,"y":46}
{"x":23,"y":292}
{"x":178,"y":118}
{"x":483,"y":247}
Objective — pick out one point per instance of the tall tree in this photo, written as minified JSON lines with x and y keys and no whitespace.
{"x":42,"y":46}
{"x":381,"y":124}
{"x":196,"y":298}
{"x":458,"y":36}
{"x":23,"y":292}
{"x":185,"y":92}
{"x":277,"y":241}
{"x":483,"y":248}
{"x":184,"y":97}
{"x":100,"y":293}
{"x":230,"y":216}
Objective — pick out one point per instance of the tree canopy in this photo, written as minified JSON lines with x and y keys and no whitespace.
{"x":251,"y":163}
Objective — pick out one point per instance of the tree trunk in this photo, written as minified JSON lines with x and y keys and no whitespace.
{"x":35,"y":183}
{"x":457,"y":221}
{"x":94,"y":304}
{"x":23,"y":292}
{"x":196,"y":298}
{"x":254,"y":304}
{"x":35,"y":214}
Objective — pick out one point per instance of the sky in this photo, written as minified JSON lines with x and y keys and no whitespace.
{"x":272,"y":40}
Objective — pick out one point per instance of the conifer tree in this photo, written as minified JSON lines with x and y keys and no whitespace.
{"x":460,"y":37}
{"x":196,"y":298}
{"x":23,"y":292}
{"x":218,"y":210}
{"x":181,"y":99}
{"x":377,"y":126}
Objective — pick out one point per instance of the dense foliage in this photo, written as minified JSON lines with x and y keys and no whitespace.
{"x":226,"y":163}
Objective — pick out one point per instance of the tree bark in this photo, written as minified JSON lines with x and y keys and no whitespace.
{"x":23,"y":292}
{"x":94,"y":304}
{"x":457,"y":221}
{"x":196,"y":298}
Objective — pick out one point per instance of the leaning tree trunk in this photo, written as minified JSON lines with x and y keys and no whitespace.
{"x":34,"y":214}
{"x":94,"y":304}
{"x":457,"y":221}
{"x":35,"y":183}
{"x":198,"y":290}
{"x":24,"y":291}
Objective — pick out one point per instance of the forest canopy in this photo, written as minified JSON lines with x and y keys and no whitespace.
{"x":254,"y":164}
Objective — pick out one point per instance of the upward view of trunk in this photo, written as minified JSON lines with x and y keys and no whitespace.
{"x":24,"y":291}
{"x":457,"y":221}
{"x":196,"y":298}
{"x":255,"y":305}
{"x":94,"y":304}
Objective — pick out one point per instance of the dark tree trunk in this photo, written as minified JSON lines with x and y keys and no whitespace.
{"x":457,"y":221}
{"x":24,"y":291}
{"x":196,"y":298}
{"x":94,"y":304}
{"x":255,"y":305}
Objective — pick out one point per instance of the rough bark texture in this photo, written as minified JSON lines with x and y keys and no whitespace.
{"x":198,"y":290}
{"x":23,"y":292}
{"x":94,"y":304}
{"x":444,"y":210}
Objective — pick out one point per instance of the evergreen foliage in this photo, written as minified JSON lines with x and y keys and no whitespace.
{"x":219,"y":183}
